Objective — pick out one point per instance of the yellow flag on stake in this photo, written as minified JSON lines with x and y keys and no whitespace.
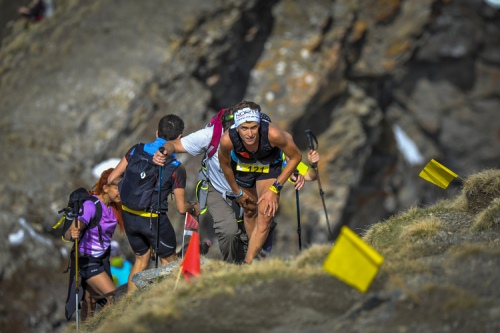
{"x":437,"y":174}
{"x":353,"y":261}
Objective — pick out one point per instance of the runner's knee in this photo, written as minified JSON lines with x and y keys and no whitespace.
{"x":264,"y":223}
{"x":250,"y":213}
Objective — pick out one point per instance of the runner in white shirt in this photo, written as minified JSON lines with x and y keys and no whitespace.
{"x":230,"y":234}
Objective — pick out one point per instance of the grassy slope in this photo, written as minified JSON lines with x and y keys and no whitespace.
{"x":441,"y":273}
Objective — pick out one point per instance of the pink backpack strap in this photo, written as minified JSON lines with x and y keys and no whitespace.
{"x":216,"y":122}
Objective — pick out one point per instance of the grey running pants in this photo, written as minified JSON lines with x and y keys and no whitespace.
{"x":225,"y":226}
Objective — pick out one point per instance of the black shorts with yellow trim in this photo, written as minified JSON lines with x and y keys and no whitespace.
{"x":141,"y":233}
{"x":247,"y":179}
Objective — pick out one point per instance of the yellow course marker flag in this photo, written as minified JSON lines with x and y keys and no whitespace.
{"x":353,"y":261}
{"x":437,"y":174}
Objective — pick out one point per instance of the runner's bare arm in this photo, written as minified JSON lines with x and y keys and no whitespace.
{"x":184,"y":206}
{"x":279,"y":139}
{"x":171,"y":147}
{"x":312,"y":157}
{"x":118,"y":171}
{"x":299,"y":179}
{"x":73,"y":232}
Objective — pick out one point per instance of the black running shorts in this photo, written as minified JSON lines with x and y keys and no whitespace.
{"x":141,"y":234}
{"x":90,"y":266}
{"x":248,"y":179}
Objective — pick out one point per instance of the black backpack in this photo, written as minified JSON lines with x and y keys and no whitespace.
{"x":75,"y":208}
{"x":140,"y":179}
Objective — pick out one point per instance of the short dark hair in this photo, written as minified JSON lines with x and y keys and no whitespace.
{"x":170,"y":127}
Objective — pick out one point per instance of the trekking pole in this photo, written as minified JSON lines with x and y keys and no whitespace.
{"x":160,"y":183}
{"x":77,"y":211}
{"x":299,"y":231}
{"x":312,"y":146}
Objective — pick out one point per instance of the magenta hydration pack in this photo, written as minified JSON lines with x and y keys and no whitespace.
{"x":216,"y":122}
{"x":202,"y":180}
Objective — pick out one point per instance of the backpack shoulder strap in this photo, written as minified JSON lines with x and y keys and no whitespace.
{"x":216,"y":122}
{"x":95,"y":221}
{"x":139,"y":149}
{"x":169,"y":168}
{"x":98,"y":213}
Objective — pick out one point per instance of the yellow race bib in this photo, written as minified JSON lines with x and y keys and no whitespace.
{"x":259,"y":168}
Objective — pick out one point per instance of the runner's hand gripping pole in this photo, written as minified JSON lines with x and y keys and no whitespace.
{"x":313,"y":145}
{"x":160,"y":183}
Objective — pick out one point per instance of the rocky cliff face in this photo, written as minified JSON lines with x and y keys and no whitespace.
{"x":95,"y":78}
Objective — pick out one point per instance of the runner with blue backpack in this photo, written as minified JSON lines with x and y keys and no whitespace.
{"x":144,"y":192}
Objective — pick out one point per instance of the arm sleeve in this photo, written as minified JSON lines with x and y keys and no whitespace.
{"x":88,"y":211}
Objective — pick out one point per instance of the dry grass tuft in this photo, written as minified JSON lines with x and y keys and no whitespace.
{"x":404,"y":267}
{"x":465,"y":250}
{"x":459,"y":204}
{"x":449,"y":297}
{"x":489,"y":217}
{"x":481,"y":188}
{"x":456,"y":204}
{"x":422,"y":230}
{"x":420,"y":249}
{"x":385,"y":234}
{"x":313,"y":257}
{"x":412,"y":225}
